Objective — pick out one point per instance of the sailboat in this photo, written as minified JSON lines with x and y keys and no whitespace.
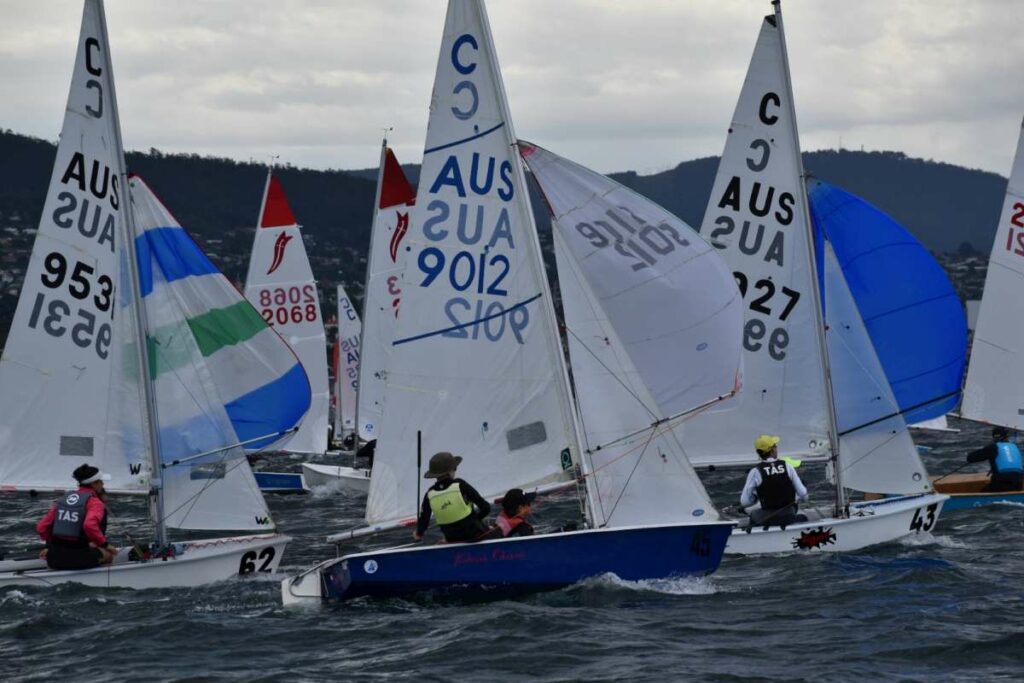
{"x":992,"y":393}
{"x":159,"y":371}
{"x":281,"y":286}
{"x":758,"y":219}
{"x":346,"y":384}
{"x":477,"y":369}
{"x":381,"y":299}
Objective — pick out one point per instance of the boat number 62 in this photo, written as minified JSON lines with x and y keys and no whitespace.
{"x":919,"y":523}
{"x":248,"y":563}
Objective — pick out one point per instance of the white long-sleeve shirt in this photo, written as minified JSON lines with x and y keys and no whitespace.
{"x":749,"y":495}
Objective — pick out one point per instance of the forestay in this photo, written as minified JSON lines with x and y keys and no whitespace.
{"x":995,"y":377}
{"x":383,"y":292}
{"x":654,"y":319}
{"x":876,"y":452}
{"x":281,"y":286}
{"x":757,"y":218}
{"x":347,"y":367}
{"x":909,"y":307}
{"x":476,"y":361}
{"x":66,"y":396}
{"x":220,"y":377}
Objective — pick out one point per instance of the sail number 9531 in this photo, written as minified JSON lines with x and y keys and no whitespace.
{"x":57,"y":317}
{"x":770,"y":301}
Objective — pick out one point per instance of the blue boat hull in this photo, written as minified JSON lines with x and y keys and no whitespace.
{"x":965,"y":501}
{"x":530,"y":564}
{"x":280,"y":482}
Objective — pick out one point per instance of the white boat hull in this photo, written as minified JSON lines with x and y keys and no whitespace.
{"x":869,"y":523}
{"x":197,"y":563}
{"x":345,"y":478}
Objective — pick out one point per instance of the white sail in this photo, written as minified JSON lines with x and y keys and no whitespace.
{"x":383,"y":292}
{"x":220,"y":377}
{"x":476,"y":362}
{"x":653,"y":319}
{"x":349,"y":332}
{"x":757,"y":218}
{"x":994,"y":391}
{"x":281,"y":286}
{"x":59,"y":407}
{"x":876,"y":452}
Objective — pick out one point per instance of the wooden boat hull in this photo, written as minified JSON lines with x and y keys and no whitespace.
{"x":516,"y":565}
{"x":196,"y":563}
{"x":281,"y":482}
{"x":870,"y":523}
{"x":345,"y":478}
{"x":965,"y":492}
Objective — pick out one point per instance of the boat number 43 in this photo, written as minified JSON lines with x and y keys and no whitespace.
{"x":924,"y":522}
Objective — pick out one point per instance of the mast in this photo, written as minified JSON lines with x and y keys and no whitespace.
{"x":366,"y":279}
{"x":150,"y":426}
{"x":534,"y":242}
{"x":819,"y":327}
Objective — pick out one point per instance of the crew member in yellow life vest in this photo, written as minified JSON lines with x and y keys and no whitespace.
{"x":459,"y":509}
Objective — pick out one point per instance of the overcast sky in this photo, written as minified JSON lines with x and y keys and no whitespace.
{"x":615,"y":85}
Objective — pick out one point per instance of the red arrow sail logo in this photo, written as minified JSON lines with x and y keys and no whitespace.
{"x":396,"y":237}
{"x":282,"y":241}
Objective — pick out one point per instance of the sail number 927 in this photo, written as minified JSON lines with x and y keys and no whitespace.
{"x":756,"y":333}
{"x":54,"y":314}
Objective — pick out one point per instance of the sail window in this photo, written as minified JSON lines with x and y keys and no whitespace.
{"x":77,"y":446}
{"x":526,"y":435}
{"x":215,"y":470}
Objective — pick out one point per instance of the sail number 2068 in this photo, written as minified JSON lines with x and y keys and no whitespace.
{"x":283,"y":305}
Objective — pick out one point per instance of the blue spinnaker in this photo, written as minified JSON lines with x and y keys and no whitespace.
{"x":911,"y":311}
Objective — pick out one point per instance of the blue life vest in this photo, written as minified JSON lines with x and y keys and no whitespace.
{"x":1008,"y":459}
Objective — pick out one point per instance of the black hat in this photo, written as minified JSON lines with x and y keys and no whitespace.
{"x":514,"y":499}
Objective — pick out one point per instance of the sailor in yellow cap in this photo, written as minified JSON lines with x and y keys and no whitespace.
{"x":775,"y":484}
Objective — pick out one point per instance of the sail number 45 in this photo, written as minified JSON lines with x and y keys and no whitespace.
{"x":924,"y":522}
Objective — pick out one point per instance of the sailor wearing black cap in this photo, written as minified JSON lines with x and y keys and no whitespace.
{"x":459,"y":509}
{"x":75,"y":527}
{"x":1005,"y":466}
{"x":511,"y":521}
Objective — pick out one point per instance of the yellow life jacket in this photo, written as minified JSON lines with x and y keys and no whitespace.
{"x":448,"y":505}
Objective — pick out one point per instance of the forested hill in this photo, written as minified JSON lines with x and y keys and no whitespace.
{"x":217,"y":200}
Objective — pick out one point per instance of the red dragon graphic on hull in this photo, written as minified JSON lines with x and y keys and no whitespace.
{"x":279,"y":246}
{"x":396,"y":237}
{"x":815,"y":538}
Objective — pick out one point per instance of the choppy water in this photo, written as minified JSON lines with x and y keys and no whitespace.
{"x":950,"y":607}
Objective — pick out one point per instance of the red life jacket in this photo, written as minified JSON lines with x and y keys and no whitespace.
{"x":507,"y":524}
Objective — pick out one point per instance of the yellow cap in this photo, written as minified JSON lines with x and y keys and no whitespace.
{"x":765,"y":442}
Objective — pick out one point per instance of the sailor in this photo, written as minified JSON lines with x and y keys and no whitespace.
{"x":75,"y":527}
{"x":511,"y":521}
{"x":367,"y":450}
{"x":1006,"y":467}
{"x":459,"y":509}
{"x":775,"y":484}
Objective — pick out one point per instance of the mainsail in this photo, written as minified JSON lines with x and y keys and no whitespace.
{"x":68,"y":391}
{"x":995,"y":377}
{"x":221,"y":377}
{"x":347,"y":367}
{"x":281,"y":286}
{"x":654,"y":319}
{"x":476,"y":362}
{"x":383,"y":292}
{"x":757,"y":219}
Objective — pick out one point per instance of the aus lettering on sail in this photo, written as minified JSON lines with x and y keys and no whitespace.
{"x":76,"y":267}
{"x":754,"y":216}
{"x":467,"y":228}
